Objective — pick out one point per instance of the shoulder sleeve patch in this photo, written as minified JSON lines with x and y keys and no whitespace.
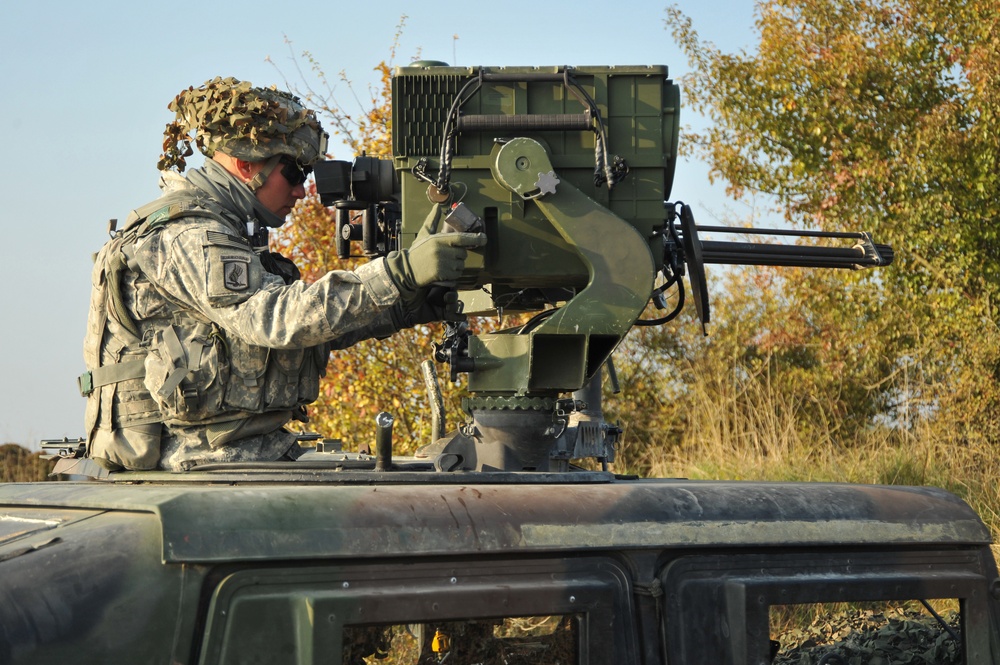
{"x":233,"y":271}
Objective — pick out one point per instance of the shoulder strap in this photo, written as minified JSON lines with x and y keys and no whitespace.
{"x":158,"y":213}
{"x":120,"y":256}
{"x":140,"y":223}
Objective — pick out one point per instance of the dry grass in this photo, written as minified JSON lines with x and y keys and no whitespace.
{"x":747,"y":431}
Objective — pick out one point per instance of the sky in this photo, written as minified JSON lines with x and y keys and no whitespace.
{"x":84,"y":103}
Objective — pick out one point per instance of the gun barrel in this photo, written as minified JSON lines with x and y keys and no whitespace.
{"x":764,"y":254}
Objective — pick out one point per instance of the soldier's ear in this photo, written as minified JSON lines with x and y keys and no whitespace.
{"x":246,"y":170}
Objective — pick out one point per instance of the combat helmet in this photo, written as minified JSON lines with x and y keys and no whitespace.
{"x":241,"y":120}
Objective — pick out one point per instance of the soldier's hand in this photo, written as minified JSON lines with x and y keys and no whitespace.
{"x":433,"y":259}
{"x":435,"y":303}
{"x":440,"y":257}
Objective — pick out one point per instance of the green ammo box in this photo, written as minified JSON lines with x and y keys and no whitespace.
{"x":637,"y":109}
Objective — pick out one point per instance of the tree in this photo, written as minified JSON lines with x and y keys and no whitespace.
{"x":879,"y":114}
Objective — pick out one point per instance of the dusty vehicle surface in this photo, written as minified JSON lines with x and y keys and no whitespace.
{"x":328,"y":566}
{"x":495,"y":545}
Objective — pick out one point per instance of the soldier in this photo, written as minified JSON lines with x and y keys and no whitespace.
{"x":202,"y":344}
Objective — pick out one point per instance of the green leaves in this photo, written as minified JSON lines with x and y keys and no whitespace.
{"x":875,"y":115}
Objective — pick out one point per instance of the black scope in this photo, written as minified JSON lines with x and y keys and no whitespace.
{"x":365,"y":197}
{"x":366,"y":179}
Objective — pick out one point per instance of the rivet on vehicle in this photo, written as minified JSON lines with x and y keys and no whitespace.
{"x":346,"y":585}
{"x":454,"y":580}
{"x":572,"y":599}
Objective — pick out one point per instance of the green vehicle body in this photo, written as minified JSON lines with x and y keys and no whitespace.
{"x":254,"y":567}
{"x":492,"y":546}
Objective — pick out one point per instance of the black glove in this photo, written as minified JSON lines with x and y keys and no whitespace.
{"x":435,"y":303}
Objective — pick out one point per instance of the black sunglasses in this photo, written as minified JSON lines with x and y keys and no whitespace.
{"x":293,"y":172}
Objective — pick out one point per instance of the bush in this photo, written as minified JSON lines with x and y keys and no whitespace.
{"x":20,"y":465}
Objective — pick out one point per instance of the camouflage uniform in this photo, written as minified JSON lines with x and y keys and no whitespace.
{"x":230,"y":351}
{"x":201,"y":344}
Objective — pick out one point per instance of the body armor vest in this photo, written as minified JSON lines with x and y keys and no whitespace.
{"x":153,"y":362}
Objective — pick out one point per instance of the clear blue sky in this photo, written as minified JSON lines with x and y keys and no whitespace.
{"x":85,"y":88}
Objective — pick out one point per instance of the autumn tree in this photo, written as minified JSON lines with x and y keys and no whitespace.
{"x":860,"y":114}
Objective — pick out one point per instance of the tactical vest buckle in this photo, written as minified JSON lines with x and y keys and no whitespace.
{"x":190,"y":398}
{"x":86,"y":383}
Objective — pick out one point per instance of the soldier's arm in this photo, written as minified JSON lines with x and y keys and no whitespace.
{"x":215,"y":273}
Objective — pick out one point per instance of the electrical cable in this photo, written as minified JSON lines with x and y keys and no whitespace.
{"x":448,"y":135}
{"x":673,"y":314}
{"x":536,"y":320}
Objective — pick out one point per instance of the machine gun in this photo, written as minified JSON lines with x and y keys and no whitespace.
{"x":568,"y":172}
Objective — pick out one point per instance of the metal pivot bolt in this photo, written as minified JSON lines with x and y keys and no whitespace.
{"x":383,"y":441}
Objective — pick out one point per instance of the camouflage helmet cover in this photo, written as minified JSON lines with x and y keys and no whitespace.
{"x":240,"y":120}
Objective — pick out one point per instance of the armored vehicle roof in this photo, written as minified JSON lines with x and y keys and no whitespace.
{"x":261,"y":521}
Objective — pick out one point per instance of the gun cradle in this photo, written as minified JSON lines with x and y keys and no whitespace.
{"x":568,"y":347}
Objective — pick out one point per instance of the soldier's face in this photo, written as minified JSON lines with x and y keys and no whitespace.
{"x":278,"y":195}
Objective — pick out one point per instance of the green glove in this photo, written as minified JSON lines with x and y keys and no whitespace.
{"x":434,"y":258}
